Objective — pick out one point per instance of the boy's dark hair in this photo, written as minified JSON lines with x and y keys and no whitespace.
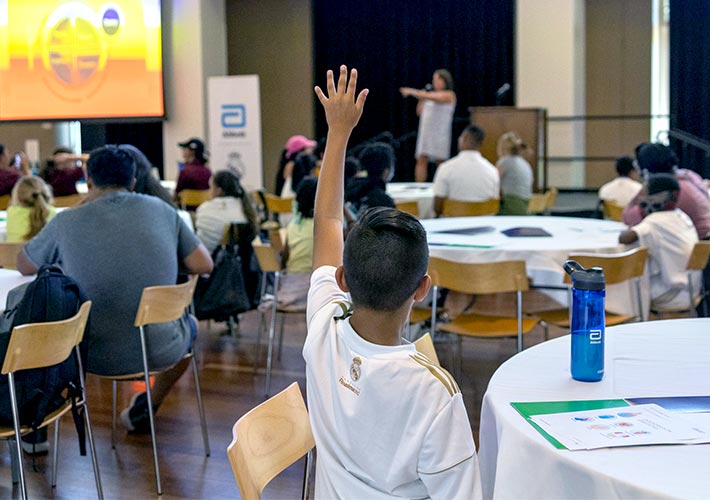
{"x":624,"y":166}
{"x":474,"y":134}
{"x":306,"y":196}
{"x":385,"y":257}
{"x":375,"y":158}
{"x":352,"y":166}
{"x":663,"y":192}
{"x":658,"y":183}
{"x":110,"y":166}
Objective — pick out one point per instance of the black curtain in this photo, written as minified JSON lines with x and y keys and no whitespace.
{"x":146,"y":136}
{"x":400,"y":43}
{"x":690,"y":77}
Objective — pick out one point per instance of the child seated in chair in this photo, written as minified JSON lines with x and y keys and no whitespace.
{"x":388,"y":423}
{"x":670,"y":236}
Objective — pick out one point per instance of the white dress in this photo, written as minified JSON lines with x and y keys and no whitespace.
{"x":434,"y":137}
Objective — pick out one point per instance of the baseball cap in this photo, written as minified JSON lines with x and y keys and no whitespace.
{"x":194,"y":144}
{"x":298,"y":142}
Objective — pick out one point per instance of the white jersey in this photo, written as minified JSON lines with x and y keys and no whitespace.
{"x":621,"y":190}
{"x":468,"y":176}
{"x":670,"y":237}
{"x":387,"y":422}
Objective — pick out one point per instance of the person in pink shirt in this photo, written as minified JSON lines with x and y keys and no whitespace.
{"x":655,"y":158}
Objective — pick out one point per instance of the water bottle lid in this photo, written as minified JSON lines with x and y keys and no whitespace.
{"x":585,"y":279}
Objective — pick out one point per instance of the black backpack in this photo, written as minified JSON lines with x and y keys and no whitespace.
{"x":52,"y":296}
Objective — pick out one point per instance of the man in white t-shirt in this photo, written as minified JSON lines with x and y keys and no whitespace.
{"x":670,"y":236}
{"x":468,"y":176}
{"x":388,"y":423}
{"x":622,"y":189}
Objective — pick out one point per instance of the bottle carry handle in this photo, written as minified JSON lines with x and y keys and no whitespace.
{"x":572,"y":266}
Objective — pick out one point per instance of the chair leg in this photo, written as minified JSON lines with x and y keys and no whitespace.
{"x":546,"y":329}
{"x":200,"y":406}
{"x":55,"y":453}
{"x":18,"y":436}
{"x":281,"y":336}
{"x":151,"y":415}
{"x":307,"y":475}
{"x":113,"y":416}
{"x":272,"y":328}
{"x":14,"y":459}
{"x":259,"y":321}
{"x":89,"y":429}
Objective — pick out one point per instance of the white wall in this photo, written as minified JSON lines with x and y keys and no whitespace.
{"x":194,"y":48}
{"x":549,"y":70}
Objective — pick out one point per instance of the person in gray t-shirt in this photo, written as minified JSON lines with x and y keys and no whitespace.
{"x":114,"y":245}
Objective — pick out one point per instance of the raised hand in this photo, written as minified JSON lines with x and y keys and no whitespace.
{"x":342,"y":110}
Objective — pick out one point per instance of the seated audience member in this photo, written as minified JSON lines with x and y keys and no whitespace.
{"x":63,"y":171}
{"x":352,"y":168}
{"x":516,"y":175}
{"x":229,"y":204}
{"x":377,"y":159}
{"x":468,"y":176}
{"x":387,"y":422}
{"x":136,"y":241}
{"x":145,"y":182}
{"x":195,"y":173}
{"x":693,"y":199}
{"x":289,"y":174}
{"x":669,"y":235}
{"x":30,"y":209}
{"x":9,"y":175}
{"x":622,"y":189}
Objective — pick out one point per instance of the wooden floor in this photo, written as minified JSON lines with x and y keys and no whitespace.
{"x":229,"y":389}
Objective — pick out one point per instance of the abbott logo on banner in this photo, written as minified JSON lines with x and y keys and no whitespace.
{"x":233,"y":116}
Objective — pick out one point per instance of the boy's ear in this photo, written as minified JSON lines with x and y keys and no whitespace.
{"x":423,"y":288}
{"x":340,"y":279}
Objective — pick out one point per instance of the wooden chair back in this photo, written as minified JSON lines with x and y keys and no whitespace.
{"x":425,"y":345}
{"x":268,"y":439}
{"x":699,"y":257}
{"x":268,"y":257}
{"x":5,"y":201}
{"x":194,"y":197}
{"x":455,"y":208}
{"x":537,"y":203}
{"x":277,"y":205}
{"x":612,"y":210}
{"x":160,"y":304}
{"x":68,"y":201}
{"x":36,"y":345}
{"x":410,"y":207}
{"x":551,"y":198}
{"x":617,"y":267}
{"x":480,"y":278}
{"x":8,"y":253}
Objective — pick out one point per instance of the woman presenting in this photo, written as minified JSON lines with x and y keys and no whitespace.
{"x":436,"y":111}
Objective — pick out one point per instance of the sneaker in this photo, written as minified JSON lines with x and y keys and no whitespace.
{"x":135,"y":418}
{"x":36,"y":443}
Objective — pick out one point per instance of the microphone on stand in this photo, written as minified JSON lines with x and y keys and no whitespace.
{"x":501,"y":92}
{"x":428,"y":87}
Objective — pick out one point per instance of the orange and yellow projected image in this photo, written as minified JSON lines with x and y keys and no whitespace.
{"x":80,"y":59}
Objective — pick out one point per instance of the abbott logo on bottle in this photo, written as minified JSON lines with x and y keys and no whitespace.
{"x":595,"y":336}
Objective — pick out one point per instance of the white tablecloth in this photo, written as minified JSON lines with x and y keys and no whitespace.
{"x":659,"y":358}
{"x":421,"y":192}
{"x":9,"y":279}
{"x":543,"y":256}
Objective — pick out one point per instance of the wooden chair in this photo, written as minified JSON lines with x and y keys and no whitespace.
{"x":538,"y":203}
{"x":696,"y":262}
{"x":270,"y":263}
{"x":68,"y":201}
{"x":8,"y":253}
{"x":190,"y":198}
{"x":618,"y":268}
{"x":455,"y":208}
{"x":160,"y":304}
{"x":612,"y":210}
{"x":482,"y":278}
{"x":275,"y":205}
{"x":268,"y":439}
{"x":38,"y":345}
{"x":425,"y":345}
{"x":5,"y":201}
{"x":410,"y":207}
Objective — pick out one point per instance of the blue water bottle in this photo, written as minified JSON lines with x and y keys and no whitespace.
{"x":587,"y":322}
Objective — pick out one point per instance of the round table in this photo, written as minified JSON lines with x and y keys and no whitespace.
{"x":659,"y":358}
{"x":543,"y":256}
{"x":421,"y":192}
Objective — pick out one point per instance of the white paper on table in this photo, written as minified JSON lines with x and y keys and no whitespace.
{"x":624,"y":426}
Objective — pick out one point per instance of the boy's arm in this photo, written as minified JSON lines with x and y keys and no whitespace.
{"x":342,"y":112}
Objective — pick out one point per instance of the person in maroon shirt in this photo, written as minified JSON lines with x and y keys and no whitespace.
{"x":62,"y":172}
{"x":9,"y":175}
{"x":195,"y":174}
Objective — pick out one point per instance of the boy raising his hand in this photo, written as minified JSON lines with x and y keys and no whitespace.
{"x":388,"y":423}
